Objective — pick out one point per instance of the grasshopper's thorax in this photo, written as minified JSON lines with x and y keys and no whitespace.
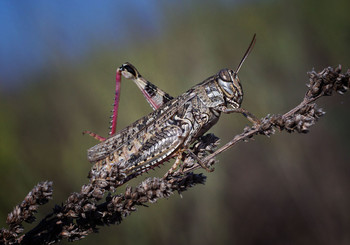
{"x":222,"y":89}
{"x":229,"y":84}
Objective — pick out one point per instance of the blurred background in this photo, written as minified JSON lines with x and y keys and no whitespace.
{"x":57,"y":78}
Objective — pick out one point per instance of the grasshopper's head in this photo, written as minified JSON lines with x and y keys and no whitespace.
{"x":229,"y":82}
{"x":129,"y":71}
{"x":231,"y":87}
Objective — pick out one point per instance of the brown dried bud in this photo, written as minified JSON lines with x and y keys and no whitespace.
{"x":327,"y":81}
{"x":89,"y":207}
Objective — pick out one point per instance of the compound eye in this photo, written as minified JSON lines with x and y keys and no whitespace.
{"x":224,"y":75}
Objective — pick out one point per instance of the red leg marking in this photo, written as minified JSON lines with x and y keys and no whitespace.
{"x":150,"y":100}
{"x":116,"y":102}
{"x":96,"y":136}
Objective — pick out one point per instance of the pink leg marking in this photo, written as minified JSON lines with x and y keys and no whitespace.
{"x":116,"y":102}
{"x":96,"y":136}
{"x":150,"y":100}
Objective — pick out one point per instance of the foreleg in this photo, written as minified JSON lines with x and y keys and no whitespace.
{"x":253,"y":119}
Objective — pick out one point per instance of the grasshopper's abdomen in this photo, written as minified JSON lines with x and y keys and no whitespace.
{"x":142,"y":145}
{"x":155,"y":150}
{"x":147,"y":150}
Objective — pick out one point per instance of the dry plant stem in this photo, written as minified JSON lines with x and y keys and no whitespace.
{"x":83,"y":213}
{"x":75,"y":220}
{"x":321,"y":84}
{"x":253,"y":130}
{"x":228,"y":145}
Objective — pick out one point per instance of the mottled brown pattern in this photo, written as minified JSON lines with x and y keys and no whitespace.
{"x":173,"y":127}
{"x":168,"y":131}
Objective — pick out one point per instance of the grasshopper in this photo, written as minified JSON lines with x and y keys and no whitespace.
{"x":174,"y":125}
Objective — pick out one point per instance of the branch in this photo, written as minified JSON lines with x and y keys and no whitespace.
{"x":83,"y":212}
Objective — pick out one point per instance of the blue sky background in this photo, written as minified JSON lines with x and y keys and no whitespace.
{"x":33,"y":32}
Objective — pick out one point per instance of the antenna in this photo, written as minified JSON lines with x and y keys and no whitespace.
{"x":245,"y":56}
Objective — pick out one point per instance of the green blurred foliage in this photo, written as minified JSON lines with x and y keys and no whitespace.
{"x":288,"y":189}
